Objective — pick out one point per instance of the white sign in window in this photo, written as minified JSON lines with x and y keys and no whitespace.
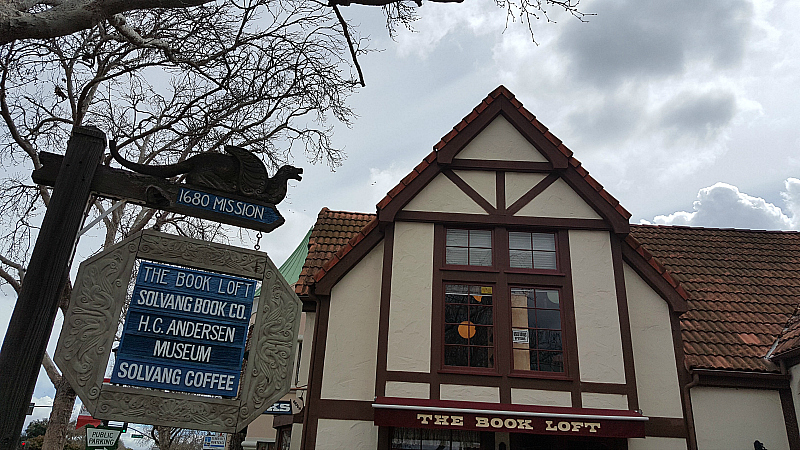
{"x":520,"y":336}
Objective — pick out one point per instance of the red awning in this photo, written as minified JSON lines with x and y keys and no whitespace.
{"x":453,"y":415}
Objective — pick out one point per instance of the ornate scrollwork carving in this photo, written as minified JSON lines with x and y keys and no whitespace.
{"x":90,"y":326}
{"x":186,"y":411}
{"x":192,"y":253}
{"x":272,"y":345}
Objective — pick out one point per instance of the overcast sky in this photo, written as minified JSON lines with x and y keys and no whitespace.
{"x":687,"y":112}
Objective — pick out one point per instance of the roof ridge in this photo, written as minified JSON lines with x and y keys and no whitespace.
{"x":345,"y":249}
{"x":701,"y":228}
{"x":497,"y":92}
{"x":656,"y":264}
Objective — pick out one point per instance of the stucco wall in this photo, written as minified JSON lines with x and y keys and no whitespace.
{"x":518,"y":184}
{"x":308,"y":342}
{"x":483,"y":181}
{"x":654,"y":354}
{"x":596,"y":314}
{"x":261,"y":429}
{"x":558,"y":200}
{"x":486,"y":394}
{"x":727,"y":418}
{"x":346,"y":434}
{"x":604,"y":401}
{"x":442,"y":195}
{"x":404,"y":389}
{"x":297,"y":436}
{"x":352,"y":340}
{"x":409,"y":340}
{"x":656,"y":443}
{"x":501,"y":141}
{"x":794,"y":372}
{"x":540,"y":397}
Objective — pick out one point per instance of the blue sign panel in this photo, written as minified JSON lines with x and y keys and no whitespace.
{"x":185,"y":330}
{"x":228,"y":206}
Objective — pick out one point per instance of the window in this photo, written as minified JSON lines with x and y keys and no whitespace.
{"x":425,"y":439}
{"x":503,"y":295}
{"x":536,"y":330}
{"x":532,"y":250}
{"x":284,"y":438}
{"x":468,"y":326}
{"x":468,"y":247}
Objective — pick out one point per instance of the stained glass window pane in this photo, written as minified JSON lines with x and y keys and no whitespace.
{"x":481,"y":357}
{"x":482,"y":336}
{"x":548,"y":318}
{"x":455,"y":313}
{"x":480,"y":315}
{"x":551,"y":362}
{"x":455,"y":355}
{"x":546,"y":298}
{"x":548,"y":340}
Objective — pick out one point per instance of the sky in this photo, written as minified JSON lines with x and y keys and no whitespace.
{"x":687,"y":112}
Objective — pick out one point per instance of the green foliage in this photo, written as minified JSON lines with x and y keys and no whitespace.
{"x":36,"y":428}
{"x":33,"y":437}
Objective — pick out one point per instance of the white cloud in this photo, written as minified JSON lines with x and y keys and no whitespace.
{"x":724,"y":206}
{"x":791,"y":195}
{"x":382,"y":181}
{"x":40,"y":411}
{"x":437,"y":21}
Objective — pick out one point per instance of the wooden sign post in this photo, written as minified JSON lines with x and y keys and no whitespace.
{"x":35,"y":311}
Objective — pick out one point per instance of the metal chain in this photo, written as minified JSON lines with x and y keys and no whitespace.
{"x":159,"y":215}
{"x":258,"y":241}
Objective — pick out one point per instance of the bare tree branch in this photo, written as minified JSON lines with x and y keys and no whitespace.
{"x":349,"y":44}
{"x":51,"y":369}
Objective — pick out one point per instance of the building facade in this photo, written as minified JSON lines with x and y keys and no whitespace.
{"x":500,"y":299}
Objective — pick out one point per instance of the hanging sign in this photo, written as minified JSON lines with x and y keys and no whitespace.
{"x":260,"y":213}
{"x":185,"y":330}
{"x":181,"y":360}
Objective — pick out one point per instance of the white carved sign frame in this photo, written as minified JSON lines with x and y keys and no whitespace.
{"x":92,"y":318}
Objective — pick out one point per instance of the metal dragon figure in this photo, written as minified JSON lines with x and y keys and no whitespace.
{"x":237,"y":171}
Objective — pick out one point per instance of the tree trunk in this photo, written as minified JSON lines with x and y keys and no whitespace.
{"x":64,"y":402}
{"x":237,"y":439}
{"x":56,"y":435}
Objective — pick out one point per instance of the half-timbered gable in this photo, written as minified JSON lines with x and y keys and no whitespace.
{"x":497,"y":299}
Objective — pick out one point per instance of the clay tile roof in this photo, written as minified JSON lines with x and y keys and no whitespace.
{"x":789,"y":341}
{"x":331,"y":234}
{"x":502,"y":91}
{"x":742,"y":288}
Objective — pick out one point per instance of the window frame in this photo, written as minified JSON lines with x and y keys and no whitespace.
{"x":540,"y":373}
{"x":469,"y":369}
{"x":493,"y":250}
{"x":502,"y":278}
{"x":557,"y":271}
